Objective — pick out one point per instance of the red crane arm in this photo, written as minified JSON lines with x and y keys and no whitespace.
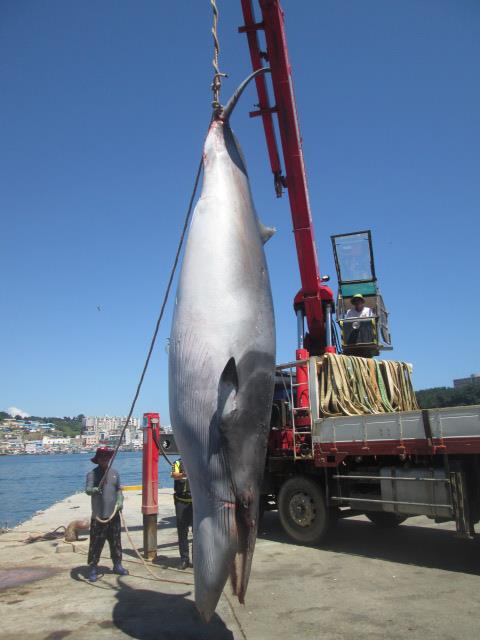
{"x":313,"y":294}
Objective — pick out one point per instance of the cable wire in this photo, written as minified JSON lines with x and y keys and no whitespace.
{"x":218,"y":75}
{"x":159,"y":319}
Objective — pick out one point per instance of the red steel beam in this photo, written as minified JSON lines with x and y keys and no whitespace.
{"x":313,"y":292}
{"x":265,"y":110}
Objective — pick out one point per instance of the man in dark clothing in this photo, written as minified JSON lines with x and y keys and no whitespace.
{"x":183,"y":510}
{"x":107,"y":501}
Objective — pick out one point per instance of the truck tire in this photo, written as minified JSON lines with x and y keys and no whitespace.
{"x":385,"y":519}
{"x":303,"y":513}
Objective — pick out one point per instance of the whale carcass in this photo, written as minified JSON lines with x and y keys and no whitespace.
{"x":221,"y":367}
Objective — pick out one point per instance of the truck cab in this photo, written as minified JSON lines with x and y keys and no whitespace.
{"x":364,"y":336}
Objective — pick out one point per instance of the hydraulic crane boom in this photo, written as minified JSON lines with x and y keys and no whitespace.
{"x":315,"y":300}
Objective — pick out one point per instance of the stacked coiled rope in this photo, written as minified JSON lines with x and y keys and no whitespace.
{"x":349,"y":385}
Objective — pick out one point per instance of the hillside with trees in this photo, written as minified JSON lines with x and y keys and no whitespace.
{"x":69,"y":427}
{"x":448,"y":396}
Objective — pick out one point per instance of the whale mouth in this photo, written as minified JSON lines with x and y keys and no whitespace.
{"x":246,"y":520}
{"x":227,"y":539}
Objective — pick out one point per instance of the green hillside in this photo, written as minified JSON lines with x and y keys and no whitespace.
{"x":448,"y":396}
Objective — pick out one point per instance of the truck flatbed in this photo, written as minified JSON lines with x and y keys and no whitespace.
{"x":453,"y":430}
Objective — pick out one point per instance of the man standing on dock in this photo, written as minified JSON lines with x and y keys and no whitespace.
{"x":107,"y":501}
{"x":183,"y":510}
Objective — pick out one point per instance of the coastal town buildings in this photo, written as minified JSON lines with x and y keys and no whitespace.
{"x":106,"y":430}
{"x":90,"y":439}
{"x":107,"y":424}
{"x":34,"y":436}
{"x":34,"y":446}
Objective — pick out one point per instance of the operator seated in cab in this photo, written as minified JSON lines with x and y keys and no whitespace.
{"x":359,"y":310}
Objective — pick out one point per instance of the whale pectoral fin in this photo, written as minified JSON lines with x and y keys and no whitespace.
{"x":265,"y":232}
{"x":227,"y":391}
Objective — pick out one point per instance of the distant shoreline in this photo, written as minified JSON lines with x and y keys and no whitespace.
{"x":63,"y":453}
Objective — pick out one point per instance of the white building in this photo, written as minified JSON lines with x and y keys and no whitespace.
{"x":107,"y":424}
{"x":49,"y":441}
{"x":137,"y":439}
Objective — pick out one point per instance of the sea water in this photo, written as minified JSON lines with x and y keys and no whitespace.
{"x":30,"y":483}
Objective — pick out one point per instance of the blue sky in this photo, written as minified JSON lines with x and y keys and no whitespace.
{"x":103,"y":113}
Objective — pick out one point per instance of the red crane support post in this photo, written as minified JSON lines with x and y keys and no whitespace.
{"x":151,"y":439}
{"x":314,"y":301}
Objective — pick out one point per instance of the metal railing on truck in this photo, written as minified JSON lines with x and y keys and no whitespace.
{"x":301,"y":434}
{"x":457,"y":506}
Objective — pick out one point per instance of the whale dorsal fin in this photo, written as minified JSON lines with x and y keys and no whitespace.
{"x":265,"y":232}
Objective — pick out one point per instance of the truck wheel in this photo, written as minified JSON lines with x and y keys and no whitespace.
{"x":302,"y":510}
{"x":385,"y":520}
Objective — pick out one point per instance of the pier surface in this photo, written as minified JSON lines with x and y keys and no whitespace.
{"x":418,"y":581}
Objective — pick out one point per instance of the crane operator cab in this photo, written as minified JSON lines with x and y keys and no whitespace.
{"x":361,"y":314}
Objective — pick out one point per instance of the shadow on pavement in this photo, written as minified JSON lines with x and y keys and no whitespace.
{"x":163,"y":523}
{"x":407,"y":544}
{"x":166,"y":545}
{"x":167,"y":561}
{"x":152,"y":615}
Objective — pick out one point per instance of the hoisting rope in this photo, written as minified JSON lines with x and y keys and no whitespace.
{"x":137,"y":553}
{"x":157,"y":326}
{"x":218,"y":75}
{"x":216,"y":85}
{"x":350,"y":385}
{"x":134,"y":547}
{"x":107,"y":520}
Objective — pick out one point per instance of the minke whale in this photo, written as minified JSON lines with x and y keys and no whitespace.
{"x":221,"y":366}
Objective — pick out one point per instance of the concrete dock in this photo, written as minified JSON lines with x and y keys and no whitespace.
{"x":418,"y":581}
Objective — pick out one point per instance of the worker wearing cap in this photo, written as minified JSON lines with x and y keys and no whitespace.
{"x":359,"y":310}
{"x":183,"y":510}
{"x":107,"y":501}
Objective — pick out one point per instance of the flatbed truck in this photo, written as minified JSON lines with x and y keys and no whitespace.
{"x":388,"y":466}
